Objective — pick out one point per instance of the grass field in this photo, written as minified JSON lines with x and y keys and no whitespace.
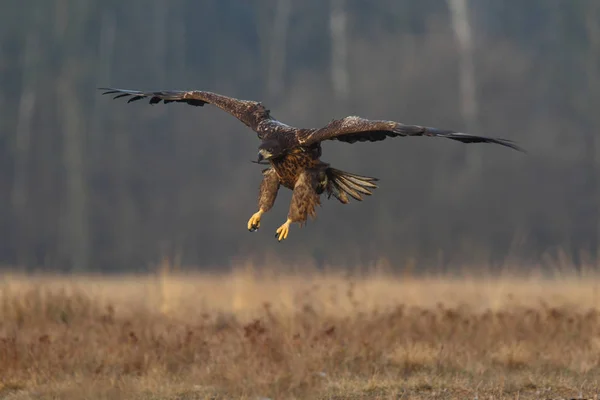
{"x":304,"y":335}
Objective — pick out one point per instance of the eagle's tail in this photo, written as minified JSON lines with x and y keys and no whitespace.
{"x":340,"y":184}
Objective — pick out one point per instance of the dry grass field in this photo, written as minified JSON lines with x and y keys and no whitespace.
{"x":291,"y":335}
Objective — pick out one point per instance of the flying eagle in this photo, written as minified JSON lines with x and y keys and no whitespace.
{"x":293,"y":154}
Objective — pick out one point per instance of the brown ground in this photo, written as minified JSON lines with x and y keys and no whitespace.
{"x":309,"y":336}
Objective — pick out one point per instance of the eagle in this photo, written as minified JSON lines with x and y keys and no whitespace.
{"x":293,"y":155}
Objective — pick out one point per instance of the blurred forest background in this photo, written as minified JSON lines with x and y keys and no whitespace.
{"x":88,"y":183}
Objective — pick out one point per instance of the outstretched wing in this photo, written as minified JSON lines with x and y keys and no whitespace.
{"x":356,"y":129}
{"x":249,"y":112}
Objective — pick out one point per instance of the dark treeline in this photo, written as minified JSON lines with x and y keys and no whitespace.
{"x":88,"y":183}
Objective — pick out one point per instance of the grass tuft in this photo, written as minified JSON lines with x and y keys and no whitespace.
{"x":317,"y":335}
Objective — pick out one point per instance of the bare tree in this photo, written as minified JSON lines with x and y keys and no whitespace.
{"x":592,"y":144}
{"x":463,"y":32}
{"x":123,"y":210}
{"x":76,"y":238}
{"x":159,"y":28}
{"x":26,"y":109}
{"x":339,"y":49}
{"x":277,"y":52}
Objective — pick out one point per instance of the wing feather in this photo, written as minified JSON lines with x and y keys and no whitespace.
{"x":249,"y":112}
{"x":355,"y":129}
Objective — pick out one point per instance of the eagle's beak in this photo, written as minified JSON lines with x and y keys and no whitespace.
{"x":263,"y":155}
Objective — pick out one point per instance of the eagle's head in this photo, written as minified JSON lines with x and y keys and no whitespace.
{"x":268,"y":150}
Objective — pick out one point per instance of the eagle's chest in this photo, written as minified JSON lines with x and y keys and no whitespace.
{"x":289,"y":167}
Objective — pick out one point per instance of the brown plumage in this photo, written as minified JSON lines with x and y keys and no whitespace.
{"x":294,"y":153}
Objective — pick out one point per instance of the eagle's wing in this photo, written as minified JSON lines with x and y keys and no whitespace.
{"x":249,"y":112}
{"x":356,"y":129}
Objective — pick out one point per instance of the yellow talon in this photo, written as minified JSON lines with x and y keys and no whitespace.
{"x":254,"y":221}
{"x":283,"y":230}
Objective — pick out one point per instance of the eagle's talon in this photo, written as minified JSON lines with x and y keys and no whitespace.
{"x":254,"y":221}
{"x":283,"y":231}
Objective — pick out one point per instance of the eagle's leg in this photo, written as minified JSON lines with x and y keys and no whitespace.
{"x":268,"y":192}
{"x":304,"y":200}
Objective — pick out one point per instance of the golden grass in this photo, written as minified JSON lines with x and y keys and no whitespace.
{"x":298,"y":335}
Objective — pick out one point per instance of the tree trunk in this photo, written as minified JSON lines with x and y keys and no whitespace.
{"x":76,"y":237}
{"x":71,"y":23}
{"x":120,"y":227}
{"x":277,"y":53}
{"x":592,"y":144}
{"x":161,"y":10}
{"x":339,"y":51}
{"x":20,"y":195}
{"x":461,"y":25}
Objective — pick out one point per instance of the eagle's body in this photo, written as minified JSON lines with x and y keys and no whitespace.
{"x":289,"y":167}
{"x":293,"y":154}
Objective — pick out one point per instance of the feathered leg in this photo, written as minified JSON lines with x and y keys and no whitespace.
{"x":304,"y":201}
{"x":268,"y":193}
